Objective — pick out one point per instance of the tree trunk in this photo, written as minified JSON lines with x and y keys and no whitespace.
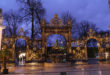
{"x":32,"y":28}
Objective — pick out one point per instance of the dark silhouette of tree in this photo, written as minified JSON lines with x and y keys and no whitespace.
{"x":33,"y":11}
{"x":83,"y":28}
{"x":80,"y":29}
{"x":67,"y":16}
{"x":12,"y":21}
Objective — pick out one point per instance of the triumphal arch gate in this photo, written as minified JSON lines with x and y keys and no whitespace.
{"x":56,"y":26}
{"x":78,"y":51}
{"x":81,"y":52}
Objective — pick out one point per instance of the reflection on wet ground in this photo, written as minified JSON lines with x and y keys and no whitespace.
{"x":57,"y":69}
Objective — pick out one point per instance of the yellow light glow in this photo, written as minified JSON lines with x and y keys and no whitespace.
{"x":1,"y":28}
{"x":0,"y":37}
{"x":22,"y":55}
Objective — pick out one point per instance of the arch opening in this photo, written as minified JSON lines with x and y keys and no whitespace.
{"x":56,"y":48}
{"x":20,"y":51}
{"x":92,"y":48}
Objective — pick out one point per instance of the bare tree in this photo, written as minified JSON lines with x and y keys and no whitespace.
{"x":80,"y":29}
{"x":83,"y":28}
{"x":12,"y":21}
{"x":67,"y":16}
{"x":33,"y":11}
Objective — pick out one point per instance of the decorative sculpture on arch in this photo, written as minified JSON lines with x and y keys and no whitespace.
{"x":91,"y":33}
{"x":56,"y":21}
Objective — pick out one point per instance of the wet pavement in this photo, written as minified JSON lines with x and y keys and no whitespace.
{"x":58,"y":68}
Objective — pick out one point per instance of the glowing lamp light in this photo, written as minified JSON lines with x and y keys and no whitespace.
{"x":107,"y":46}
{"x":78,"y":48}
{"x":106,"y":55}
{"x":1,"y":28}
{"x":98,"y":44}
{"x":22,"y":55}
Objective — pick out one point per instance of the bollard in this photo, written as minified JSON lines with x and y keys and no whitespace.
{"x":63,"y":73}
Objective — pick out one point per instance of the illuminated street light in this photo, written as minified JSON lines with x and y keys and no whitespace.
{"x":61,"y":42}
{"x":21,"y":58}
{"x":106,"y":55}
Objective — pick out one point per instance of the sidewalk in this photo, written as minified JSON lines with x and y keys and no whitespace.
{"x":56,"y":69}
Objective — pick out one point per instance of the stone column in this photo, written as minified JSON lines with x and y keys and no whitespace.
{"x":86,"y":55}
{"x":69,"y":36}
{"x":69,"y":43}
{"x":43,"y":35}
{"x":27,"y":52}
{"x":1,"y":27}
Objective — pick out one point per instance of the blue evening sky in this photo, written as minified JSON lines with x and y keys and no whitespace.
{"x":96,"y":11}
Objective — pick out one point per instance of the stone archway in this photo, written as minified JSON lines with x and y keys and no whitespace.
{"x":93,"y":51}
{"x":10,"y":42}
{"x":80,"y":46}
{"x":101,"y":45}
{"x":92,"y":48}
{"x":56,"y":48}
{"x":91,"y":35}
{"x":56,"y":26}
{"x":20,"y":51}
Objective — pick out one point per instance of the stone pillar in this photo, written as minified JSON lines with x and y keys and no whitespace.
{"x":13,"y":49}
{"x":69,"y":36}
{"x":1,"y":27}
{"x":43,"y":41}
{"x":69,"y":44}
{"x":27,"y":52}
{"x":43,"y":36}
{"x":86,"y":55}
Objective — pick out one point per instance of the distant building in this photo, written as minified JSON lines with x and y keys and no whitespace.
{"x":1,"y":17}
{"x":109,"y":3}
